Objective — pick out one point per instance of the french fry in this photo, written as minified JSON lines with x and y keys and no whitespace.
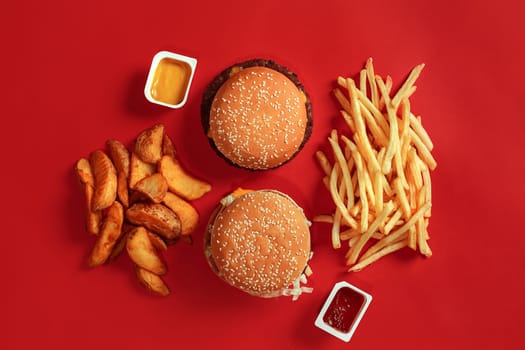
{"x":335,"y":195}
{"x":324,"y":218}
{"x":414,"y":168}
{"x":376,"y":113}
{"x":369,"y":188}
{"x":154,"y":187}
{"x":326,"y":182}
{"x":415,"y":124}
{"x":422,"y":238}
{"x":378,"y":191}
{"x":354,"y":240}
{"x":155,"y":217}
{"x":388,"y":87}
{"x":142,"y":252}
{"x":105,"y":178}
{"x":412,"y":238}
{"x":427,"y":186}
{"x":323,"y":162}
{"x":375,"y":130}
{"x":401,"y":196}
{"x":372,"y":79}
{"x":361,"y":138}
{"x":348,"y":120}
{"x":349,"y":233}
{"x":361,"y":181}
{"x":343,"y":101}
{"x":148,"y":145}
{"x":393,"y":143}
{"x":398,"y":233}
{"x":378,"y":255}
{"x":387,"y":160}
{"x":356,"y":209}
{"x":362,"y":81}
{"x":180,"y":182}
{"x":109,"y":233}
{"x":356,"y":249}
{"x":338,"y":153}
{"x":336,"y":228}
{"x":407,"y":85}
{"x":423,"y":151}
{"x":392,"y":221}
{"x":412,"y":196}
{"x":152,"y":282}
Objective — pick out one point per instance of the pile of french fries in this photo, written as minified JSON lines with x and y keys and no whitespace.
{"x":139,"y":200}
{"x":379,"y":180}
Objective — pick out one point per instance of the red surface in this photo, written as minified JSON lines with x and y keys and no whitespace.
{"x":72,"y":77}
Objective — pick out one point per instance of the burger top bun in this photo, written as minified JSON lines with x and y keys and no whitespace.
{"x":260,"y":243}
{"x":258,"y":118}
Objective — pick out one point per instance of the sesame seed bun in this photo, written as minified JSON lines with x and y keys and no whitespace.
{"x":256,"y":115}
{"x":259,"y":243}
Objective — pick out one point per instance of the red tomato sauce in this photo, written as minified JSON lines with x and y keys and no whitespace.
{"x":343,"y":309}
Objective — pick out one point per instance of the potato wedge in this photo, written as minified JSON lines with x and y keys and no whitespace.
{"x":152,"y":282}
{"x":119,"y":247}
{"x":154,"y":187}
{"x":93,"y":218}
{"x":157,"y":242}
{"x":119,"y":154}
{"x":188,"y":215}
{"x":155,"y":217}
{"x":105,"y":177}
{"x":142,"y":252}
{"x":109,"y":234}
{"x":122,"y":189}
{"x":139,"y":170}
{"x":84,"y":173}
{"x":148,"y":145}
{"x":136,"y":197}
{"x":180,"y":182}
{"x":167,"y":146}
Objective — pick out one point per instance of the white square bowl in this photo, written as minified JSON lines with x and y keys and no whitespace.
{"x":157,"y":59}
{"x":363,"y":306}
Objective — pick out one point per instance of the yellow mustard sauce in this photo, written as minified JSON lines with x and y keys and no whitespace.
{"x":170,"y":81}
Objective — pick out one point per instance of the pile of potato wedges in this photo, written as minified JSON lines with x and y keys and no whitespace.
{"x":138,"y":200}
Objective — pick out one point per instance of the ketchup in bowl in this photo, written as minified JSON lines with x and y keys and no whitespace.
{"x":343,"y":310}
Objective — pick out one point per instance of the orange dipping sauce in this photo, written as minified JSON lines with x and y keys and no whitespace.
{"x":170,"y":81}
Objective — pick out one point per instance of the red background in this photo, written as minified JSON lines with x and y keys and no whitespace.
{"x":73,"y":75}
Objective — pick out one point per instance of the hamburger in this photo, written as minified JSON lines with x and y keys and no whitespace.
{"x":259,"y":242}
{"x":256,"y":115}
